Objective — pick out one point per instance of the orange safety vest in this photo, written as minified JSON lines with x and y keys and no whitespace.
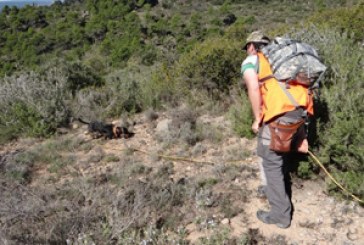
{"x":274,"y":100}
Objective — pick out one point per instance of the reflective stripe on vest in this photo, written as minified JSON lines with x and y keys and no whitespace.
{"x":274,"y":101}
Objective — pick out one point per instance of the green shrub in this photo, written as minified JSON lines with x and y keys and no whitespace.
{"x":221,"y":235}
{"x":80,"y":76}
{"x":160,"y":89}
{"x":237,"y":31}
{"x":340,"y":127}
{"x":211,"y":66}
{"x":8,"y":133}
{"x":19,"y":166}
{"x":344,"y":19}
{"x":305,"y":170}
{"x":29,"y":122}
{"x":125,"y":98}
{"x":111,"y":158}
{"x":240,"y":115}
{"x":351,"y":180}
{"x":126,"y":90}
{"x":91,"y":104}
{"x":207,"y":182}
{"x":210,"y":69}
{"x":149,"y":55}
{"x":34,"y":104}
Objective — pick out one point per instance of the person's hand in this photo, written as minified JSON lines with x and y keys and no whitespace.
{"x":303,"y":147}
{"x":255,"y":126}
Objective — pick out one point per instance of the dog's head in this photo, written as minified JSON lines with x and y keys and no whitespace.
{"x":117,"y":131}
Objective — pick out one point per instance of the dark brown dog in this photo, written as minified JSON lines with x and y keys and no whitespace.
{"x":122,"y":132}
{"x":108,"y":131}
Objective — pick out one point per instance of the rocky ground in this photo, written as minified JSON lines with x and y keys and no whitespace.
{"x":222,"y":164}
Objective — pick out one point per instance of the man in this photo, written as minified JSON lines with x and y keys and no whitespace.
{"x":269,"y":102}
{"x":249,"y":69}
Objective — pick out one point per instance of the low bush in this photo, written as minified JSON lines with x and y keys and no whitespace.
{"x":344,"y":18}
{"x":182,"y":128}
{"x":211,"y":67}
{"x":340,"y":122}
{"x":34,"y":104}
{"x":161,"y":90}
{"x":240,"y":115}
{"x":28,"y":122}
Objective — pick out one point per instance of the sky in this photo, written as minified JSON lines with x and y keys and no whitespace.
{"x":21,"y":3}
{"x":21,"y":0}
{"x":15,"y":1}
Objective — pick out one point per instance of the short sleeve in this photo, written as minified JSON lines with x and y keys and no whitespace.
{"x":249,"y":63}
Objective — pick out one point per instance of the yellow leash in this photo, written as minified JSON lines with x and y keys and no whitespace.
{"x":309,"y":152}
{"x":332,"y":178}
{"x":172,"y":157}
{"x":209,"y":162}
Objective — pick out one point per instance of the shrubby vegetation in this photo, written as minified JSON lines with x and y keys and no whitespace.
{"x":167,"y":59}
{"x":33,"y":104}
{"x":36,"y":103}
{"x":101,"y":59}
{"x":340,"y":108}
{"x":206,"y":73}
{"x":347,"y":19}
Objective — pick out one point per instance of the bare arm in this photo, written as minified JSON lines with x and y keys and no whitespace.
{"x":251,"y":81}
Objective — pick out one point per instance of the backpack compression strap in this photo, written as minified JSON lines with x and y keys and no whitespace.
{"x":294,"y":102}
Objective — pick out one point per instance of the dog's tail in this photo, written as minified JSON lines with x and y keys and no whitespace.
{"x":82,"y":121}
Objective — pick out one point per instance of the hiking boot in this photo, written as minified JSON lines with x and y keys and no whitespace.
{"x":264,"y":217}
{"x":261,"y":191}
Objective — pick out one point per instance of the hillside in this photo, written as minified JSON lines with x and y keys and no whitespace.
{"x":170,"y":72}
{"x":127,"y":191}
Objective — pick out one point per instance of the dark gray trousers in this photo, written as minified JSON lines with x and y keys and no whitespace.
{"x":279,"y":201}
{"x":274,"y":166}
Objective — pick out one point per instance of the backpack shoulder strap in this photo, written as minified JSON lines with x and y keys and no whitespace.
{"x":294,"y":102}
{"x":289,"y":95}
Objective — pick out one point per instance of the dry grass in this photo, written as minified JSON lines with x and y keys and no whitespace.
{"x":117,"y":198}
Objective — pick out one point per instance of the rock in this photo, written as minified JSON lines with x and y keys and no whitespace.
{"x":163,"y":126}
{"x":150,"y":115}
{"x":199,"y":149}
{"x":162,"y":130}
{"x":352,"y":234}
{"x":225,"y":221}
{"x":61,"y":131}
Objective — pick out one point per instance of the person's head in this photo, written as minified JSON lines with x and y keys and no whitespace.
{"x":255,"y":41}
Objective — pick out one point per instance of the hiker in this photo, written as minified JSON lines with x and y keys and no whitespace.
{"x":271,"y":105}
{"x":255,"y":42}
